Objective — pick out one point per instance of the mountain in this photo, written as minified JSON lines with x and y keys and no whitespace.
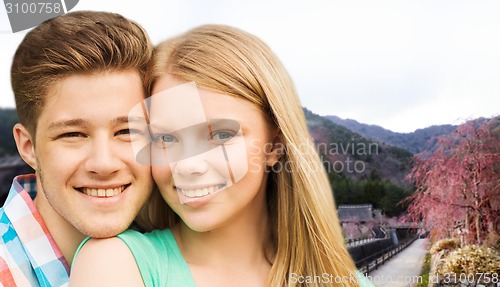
{"x":415,"y":142}
{"x":361,"y":170}
{"x":353,"y":155}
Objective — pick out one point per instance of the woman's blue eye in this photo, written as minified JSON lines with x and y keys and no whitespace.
{"x":220,"y":137}
{"x":168,"y":138}
{"x":165,"y":138}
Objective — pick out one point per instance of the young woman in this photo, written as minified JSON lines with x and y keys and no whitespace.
{"x":249,"y":202}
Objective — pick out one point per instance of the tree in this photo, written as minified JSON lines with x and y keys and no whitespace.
{"x":458,"y":185}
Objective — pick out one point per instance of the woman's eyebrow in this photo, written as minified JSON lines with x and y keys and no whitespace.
{"x":158,"y":127}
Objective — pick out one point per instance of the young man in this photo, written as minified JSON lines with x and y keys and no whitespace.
{"x":75,"y":78}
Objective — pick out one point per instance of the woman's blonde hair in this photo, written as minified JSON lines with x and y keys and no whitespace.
{"x":305,"y":230}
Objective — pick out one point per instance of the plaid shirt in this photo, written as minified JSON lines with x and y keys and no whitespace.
{"x":28,"y":254}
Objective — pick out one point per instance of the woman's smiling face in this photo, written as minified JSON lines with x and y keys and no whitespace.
{"x":209,"y":153}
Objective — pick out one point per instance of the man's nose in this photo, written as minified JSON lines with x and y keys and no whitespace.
{"x":103,"y":159}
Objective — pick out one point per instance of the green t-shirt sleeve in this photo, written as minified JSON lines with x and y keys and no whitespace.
{"x":144,"y":254}
{"x":363,"y":281}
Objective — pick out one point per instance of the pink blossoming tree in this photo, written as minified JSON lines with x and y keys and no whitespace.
{"x":458,"y":185}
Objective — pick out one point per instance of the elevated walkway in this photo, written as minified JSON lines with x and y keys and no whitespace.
{"x":403,"y":270}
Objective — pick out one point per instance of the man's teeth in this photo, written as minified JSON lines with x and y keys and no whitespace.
{"x":103,"y":192}
{"x":200,"y":192}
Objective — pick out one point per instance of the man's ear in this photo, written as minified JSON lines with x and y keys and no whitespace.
{"x":277,"y":150}
{"x":25,"y":144}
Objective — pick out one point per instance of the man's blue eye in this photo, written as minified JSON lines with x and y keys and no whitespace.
{"x":71,"y":135}
{"x":131,"y":132}
{"x":124,"y":132}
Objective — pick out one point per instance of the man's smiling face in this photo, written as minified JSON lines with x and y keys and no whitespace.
{"x":85,"y":164}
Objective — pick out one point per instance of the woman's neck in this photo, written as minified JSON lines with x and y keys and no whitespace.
{"x":240,"y":242}
{"x":241,"y":248}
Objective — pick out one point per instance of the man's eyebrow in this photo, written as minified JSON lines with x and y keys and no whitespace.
{"x":82,"y":122}
{"x":130,"y":119}
{"x":66,"y":123}
{"x":121,"y":120}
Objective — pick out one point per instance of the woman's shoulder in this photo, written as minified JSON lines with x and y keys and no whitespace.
{"x":158,"y":257}
{"x":156,"y":238}
{"x":157,"y":244}
{"x":93,"y":247}
{"x":106,"y":260}
{"x":162,"y":233}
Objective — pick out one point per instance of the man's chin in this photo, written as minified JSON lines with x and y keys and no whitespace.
{"x":105,"y":232}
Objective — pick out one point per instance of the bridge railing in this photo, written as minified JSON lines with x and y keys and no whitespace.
{"x":373,"y":261}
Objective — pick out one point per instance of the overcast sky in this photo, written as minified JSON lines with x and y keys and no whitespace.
{"x":399,"y":64}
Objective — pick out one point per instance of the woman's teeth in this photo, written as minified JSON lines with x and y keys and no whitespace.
{"x":103,"y":192}
{"x":200,"y":192}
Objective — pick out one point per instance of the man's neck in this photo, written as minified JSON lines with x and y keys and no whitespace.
{"x":65,"y":235}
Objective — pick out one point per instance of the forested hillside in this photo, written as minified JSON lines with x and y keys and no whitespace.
{"x":360,"y":156}
{"x":361,"y":170}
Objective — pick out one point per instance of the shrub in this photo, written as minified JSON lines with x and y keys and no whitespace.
{"x":445,"y":244}
{"x":471,"y":259}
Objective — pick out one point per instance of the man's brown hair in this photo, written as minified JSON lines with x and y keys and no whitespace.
{"x":83,"y":42}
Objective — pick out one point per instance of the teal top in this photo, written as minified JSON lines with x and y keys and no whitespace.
{"x":160,"y":260}
{"x":158,"y":257}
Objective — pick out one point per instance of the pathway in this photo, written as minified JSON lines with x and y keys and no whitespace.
{"x":403,"y":270}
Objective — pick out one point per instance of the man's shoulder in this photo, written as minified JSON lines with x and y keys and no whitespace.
{"x":5,"y":225}
{"x":23,"y":186}
{"x":9,"y":239}
{"x":13,"y":256}
{"x":9,"y":210}
{"x":27,"y":264}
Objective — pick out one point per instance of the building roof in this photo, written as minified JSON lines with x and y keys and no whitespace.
{"x":355,"y":212}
